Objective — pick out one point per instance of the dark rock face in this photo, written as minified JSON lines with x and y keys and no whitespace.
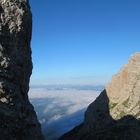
{"x":115,"y":114}
{"x":18,"y":120}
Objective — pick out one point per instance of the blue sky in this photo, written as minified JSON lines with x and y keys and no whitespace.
{"x":82,"y":41}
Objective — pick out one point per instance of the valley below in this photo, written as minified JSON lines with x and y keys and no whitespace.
{"x":60,"y":110}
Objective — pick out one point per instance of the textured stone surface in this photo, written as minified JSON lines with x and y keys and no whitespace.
{"x":115,"y":114}
{"x":124,"y":90}
{"x":18,"y":119}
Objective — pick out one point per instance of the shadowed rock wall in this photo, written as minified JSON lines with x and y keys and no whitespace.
{"x":115,"y":114}
{"x":18,"y":119}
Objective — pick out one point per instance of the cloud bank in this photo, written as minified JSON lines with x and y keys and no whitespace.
{"x":60,"y":110}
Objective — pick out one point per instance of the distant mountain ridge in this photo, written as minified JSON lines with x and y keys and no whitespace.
{"x":115,"y":114}
{"x":70,"y":87}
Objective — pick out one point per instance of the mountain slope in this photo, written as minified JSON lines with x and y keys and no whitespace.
{"x":115,"y":114}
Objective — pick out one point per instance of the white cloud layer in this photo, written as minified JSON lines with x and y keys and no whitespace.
{"x":60,"y":110}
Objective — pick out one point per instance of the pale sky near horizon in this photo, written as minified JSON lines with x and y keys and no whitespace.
{"x":82,"y":41}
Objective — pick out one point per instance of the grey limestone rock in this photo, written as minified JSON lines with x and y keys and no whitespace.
{"x":18,"y":120}
{"x":115,"y":114}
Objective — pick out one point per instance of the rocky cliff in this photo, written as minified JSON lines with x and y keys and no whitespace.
{"x":115,"y":114}
{"x":18,"y":119}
